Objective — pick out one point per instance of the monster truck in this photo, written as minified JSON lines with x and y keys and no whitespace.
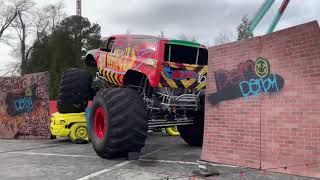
{"x":141,"y":82}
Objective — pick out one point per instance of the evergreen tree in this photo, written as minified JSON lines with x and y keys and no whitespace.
{"x":63,"y":49}
{"x":243,"y":29}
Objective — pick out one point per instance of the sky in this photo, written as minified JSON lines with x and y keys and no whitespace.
{"x":204,"y":20}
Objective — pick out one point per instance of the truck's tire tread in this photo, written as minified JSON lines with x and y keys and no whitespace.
{"x":127,"y":122}
{"x":75,"y":91}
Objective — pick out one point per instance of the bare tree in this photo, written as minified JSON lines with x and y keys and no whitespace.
{"x":22,"y":24}
{"x":7,"y":14}
{"x":54,"y":13}
{"x":47,"y":18}
{"x":27,"y":22}
{"x":223,"y":38}
{"x":10,"y":69}
{"x":41,"y":23}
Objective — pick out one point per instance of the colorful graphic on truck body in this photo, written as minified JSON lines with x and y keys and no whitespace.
{"x":183,"y":76}
{"x":145,"y":54}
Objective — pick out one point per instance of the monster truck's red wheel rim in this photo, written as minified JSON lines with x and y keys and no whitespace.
{"x":100,"y":122}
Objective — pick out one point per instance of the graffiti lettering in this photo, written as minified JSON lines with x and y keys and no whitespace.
{"x":22,"y":102}
{"x":225,"y":79}
{"x":8,"y":85}
{"x":256,"y":86}
{"x":247,"y":79}
{"x":23,"y":105}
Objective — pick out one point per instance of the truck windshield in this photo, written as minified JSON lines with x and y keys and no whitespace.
{"x":185,"y":54}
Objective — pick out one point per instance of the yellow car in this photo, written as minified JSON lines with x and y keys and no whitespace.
{"x":72,"y":125}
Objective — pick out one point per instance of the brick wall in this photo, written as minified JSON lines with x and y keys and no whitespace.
{"x":265,"y":113}
{"x":24,"y":107}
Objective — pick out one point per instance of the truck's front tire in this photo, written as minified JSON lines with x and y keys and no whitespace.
{"x":75,"y":91}
{"x":118,"y":122}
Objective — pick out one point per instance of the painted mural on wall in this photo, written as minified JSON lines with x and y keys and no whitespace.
{"x":248,"y":79}
{"x":24,"y":106}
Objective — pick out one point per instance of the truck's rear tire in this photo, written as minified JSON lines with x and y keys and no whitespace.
{"x":118,"y":122}
{"x":75,"y":91}
{"x":193,"y":134}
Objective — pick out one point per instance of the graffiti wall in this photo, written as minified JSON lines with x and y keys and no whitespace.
{"x":248,"y":79}
{"x":263,"y":102}
{"x":24,"y":106}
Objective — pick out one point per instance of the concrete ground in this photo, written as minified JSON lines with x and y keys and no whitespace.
{"x":163,"y":157}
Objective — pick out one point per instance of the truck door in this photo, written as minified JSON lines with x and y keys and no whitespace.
{"x":102,"y":54}
{"x":113,"y":57}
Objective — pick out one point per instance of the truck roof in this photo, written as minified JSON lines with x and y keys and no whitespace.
{"x":138,"y":36}
{"x":170,"y":41}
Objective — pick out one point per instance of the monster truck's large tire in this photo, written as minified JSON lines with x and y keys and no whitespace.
{"x":193,"y":134}
{"x":118,"y":122}
{"x":75,"y":91}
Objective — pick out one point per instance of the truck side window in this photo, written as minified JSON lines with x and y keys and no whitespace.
{"x":107,"y":47}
